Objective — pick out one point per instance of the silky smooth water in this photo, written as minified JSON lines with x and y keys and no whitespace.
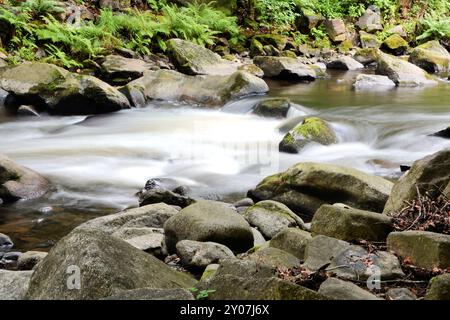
{"x":97,"y":164}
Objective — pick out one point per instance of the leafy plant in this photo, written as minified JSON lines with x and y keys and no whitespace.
{"x":435,"y":28}
{"x":276,"y":13}
{"x":201,"y":294}
{"x":41,"y":8}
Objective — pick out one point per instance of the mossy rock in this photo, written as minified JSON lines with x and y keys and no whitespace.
{"x":369,"y":40}
{"x":439,"y":288}
{"x":256,"y":48}
{"x":310,"y":130}
{"x":432,"y":57}
{"x":366,"y":55}
{"x":273,"y":108}
{"x":278,"y":41}
{"x":292,"y":240}
{"x":395,"y":44}
{"x":289,"y":54}
{"x":274,"y":258}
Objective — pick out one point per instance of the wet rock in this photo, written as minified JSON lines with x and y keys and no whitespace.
{"x":402,"y":72}
{"x":278,"y":108}
{"x":430,"y":174}
{"x":312,"y":129}
{"x":27,"y":111}
{"x":336,"y":29}
{"x":209,"y":221}
{"x":20,"y":183}
{"x":105,"y":265}
{"x":395,"y":45}
{"x":345,"y":63}
{"x":6,"y":243}
{"x":443,"y":133}
{"x":160,"y":194}
{"x":343,"y":290}
{"x":153,"y":294}
{"x":424,"y":249}
{"x":432,"y":57}
{"x":439,"y":288}
{"x":274,"y":258}
{"x":197,"y":255}
{"x":285,"y":68}
{"x":369,"y":40}
{"x":373,"y":82}
{"x":210,"y":91}
{"x":370,"y":21}
{"x":30,"y":259}
{"x":58,"y":91}
{"x":9,"y":260}
{"x":118,"y":70}
{"x":400,"y":294}
{"x":345,"y":223}
{"x":306,"y":186}
{"x":292,"y":240}
{"x":14,"y":284}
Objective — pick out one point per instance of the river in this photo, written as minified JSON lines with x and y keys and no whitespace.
{"x":97,"y":164}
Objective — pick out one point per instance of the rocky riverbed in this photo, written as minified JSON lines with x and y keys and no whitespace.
{"x":303,"y":230}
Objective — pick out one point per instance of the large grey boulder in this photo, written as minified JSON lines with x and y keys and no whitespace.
{"x":192,"y":59}
{"x":58,"y":91}
{"x":430,"y":175}
{"x":337,"y":289}
{"x":402,"y":72}
{"x":14,"y":284}
{"x":203,"y":90}
{"x":431,"y":56}
{"x":345,"y":63}
{"x":119,"y":70}
{"x":306,"y":186}
{"x":209,"y":221}
{"x":105,"y":265}
{"x":292,"y":240}
{"x":285,"y":68}
{"x":271,"y":217}
{"x":20,"y":183}
{"x":198,"y":255}
{"x":349,"y":224}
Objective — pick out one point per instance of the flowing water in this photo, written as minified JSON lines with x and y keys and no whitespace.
{"x":97,"y":164}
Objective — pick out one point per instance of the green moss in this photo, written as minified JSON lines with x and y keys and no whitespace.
{"x":315,"y":129}
{"x":278,"y":41}
{"x":345,"y":46}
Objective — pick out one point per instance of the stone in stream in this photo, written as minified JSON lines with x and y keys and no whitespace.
{"x":285,"y":68}
{"x":337,"y":289}
{"x":198,"y":255}
{"x":373,"y":82}
{"x":210,"y":91}
{"x":443,"y":133}
{"x":57,"y":91}
{"x":292,"y":240}
{"x":349,"y":224}
{"x":20,"y":183}
{"x":429,"y":175}
{"x":395,"y":45}
{"x":192,"y":59}
{"x":6,"y":243}
{"x":27,"y":111}
{"x":439,"y":288}
{"x":306,"y":186}
{"x":431,"y":56}
{"x":209,"y":221}
{"x":403,"y":73}
{"x":104,"y":264}
{"x":118,"y":70}
{"x":271,"y":217}
{"x":424,"y":249}
{"x":312,"y":129}
{"x":30,"y":259}
{"x":152,"y":294}
{"x":14,"y":284}
{"x":278,"y":108}
{"x":345,"y":63}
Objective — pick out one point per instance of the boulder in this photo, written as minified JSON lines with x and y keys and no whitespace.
{"x":30,"y":259}
{"x":306,"y":186}
{"x":14,"y":284}
{"x":370,"y":21}
{"x":151,"y":294}
{"x":231,"y":287}
{"x":367,"y":56}
{"x":373,"y":82}
{"x":336,"y":29}
{"x":252,"y":69}
{"x":274,"y":258}
{"x":5,"y":243}
{"x":277,"y":108}
{"x":118,"y":70}
{"x":277,"y":41}
{"x":256,"y":48}
{"x":443,"y":133}
{"x":145,"y":239}
{"x":369,"y":40}
{"x":244,"y":268}
{"x":258,"y":238}
{"x":345,"y":63}
{"x":192,"y":59}
{"x":320,"y":250}
{"x":439,"y":288}
{"x":424,"y":249}
{"x":310,"y":130}
{"x":8,"y":260}
{"x":202,"y":90}
{"x":308,"y":20}
{"x":395,"y":45}
{"x":292,"y":240}
{"x":431,"y":56}
{"x":430,"y":174}
{"x":209,"y":221}
{"x":20,"y":183}
{"x":345,"y":223}
{"x":58,"y":91}
{"x":271,"y":217}
{"x":400,"y":294}
{"x":198,"y":255}
{"x":402,"y":72}
{"x":337,"y":289}
{"x":285,"y":68}
{"x":160,"y":194}
{"x":104,"y":265}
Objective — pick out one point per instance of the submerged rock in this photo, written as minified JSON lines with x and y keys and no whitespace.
{"x":202,"y":90}
{"x":432,"y":57}
{"x":373,"y":82}
{"x":312,"y":129}
{"x":104,"y":265}
{"x":20,"y":183}
{"x":285,"y":68}
{"x":306,"y":186}
{"x":58,"y":91}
